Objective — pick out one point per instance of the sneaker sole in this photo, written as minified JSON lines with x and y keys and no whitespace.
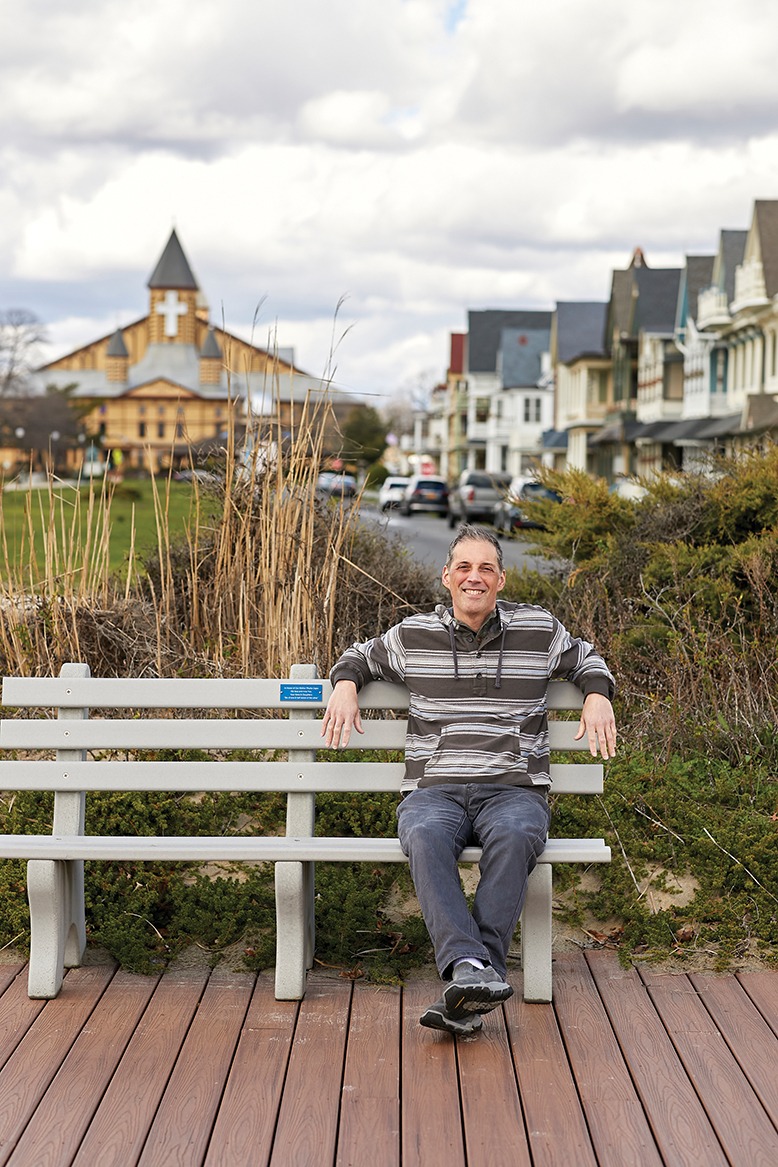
{"x":464,"y":1000}
{"x":435,"y":1019}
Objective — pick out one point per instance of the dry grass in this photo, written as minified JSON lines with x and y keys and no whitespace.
{"x":248,"y":593}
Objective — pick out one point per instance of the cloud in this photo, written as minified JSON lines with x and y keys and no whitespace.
{"x":417,"y":157}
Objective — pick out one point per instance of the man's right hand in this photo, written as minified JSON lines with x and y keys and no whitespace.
{"x":341,"y":716}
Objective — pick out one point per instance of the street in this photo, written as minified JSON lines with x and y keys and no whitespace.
{"x":429,"y":536}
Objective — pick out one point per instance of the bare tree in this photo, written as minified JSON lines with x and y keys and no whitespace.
{"x":21,"y":334}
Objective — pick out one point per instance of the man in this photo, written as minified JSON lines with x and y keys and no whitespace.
{"x":477,"y":767}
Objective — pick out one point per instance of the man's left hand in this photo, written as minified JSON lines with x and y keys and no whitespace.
{"x":599,"y":723}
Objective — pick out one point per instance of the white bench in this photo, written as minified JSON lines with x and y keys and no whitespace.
{"x":55,"y":873}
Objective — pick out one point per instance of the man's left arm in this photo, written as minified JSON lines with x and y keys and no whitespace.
{"x":599,"y":724}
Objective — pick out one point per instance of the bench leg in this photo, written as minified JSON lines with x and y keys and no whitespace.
{"x":294,"y":928}
{"x":55,"y":890}
{"x":536,"y":935}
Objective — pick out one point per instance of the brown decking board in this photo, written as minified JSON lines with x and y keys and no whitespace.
{"x":743,"y":1128}
{"x":681,"y":1128}
{"x":627,"y":1066}
{"x":370,"y":1099}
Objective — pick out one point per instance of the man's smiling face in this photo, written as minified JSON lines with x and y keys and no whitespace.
{"x":474,"y":578}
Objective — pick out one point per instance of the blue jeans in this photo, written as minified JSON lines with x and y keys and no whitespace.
{"x":510,"y":824}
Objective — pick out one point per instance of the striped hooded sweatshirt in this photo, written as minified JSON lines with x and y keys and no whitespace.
{"x":477,"y":709}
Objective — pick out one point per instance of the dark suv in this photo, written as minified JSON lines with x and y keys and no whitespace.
{"x":475,"y":496}
{"x":424,"y":492}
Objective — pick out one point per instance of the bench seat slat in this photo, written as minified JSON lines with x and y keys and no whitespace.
{"x":340,"y":777}
{"x":202,"y":693}
{"x":39,"y":733}
{"x":246,"y":848}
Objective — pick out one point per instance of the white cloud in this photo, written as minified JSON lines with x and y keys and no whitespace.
{"x":419,"y":157}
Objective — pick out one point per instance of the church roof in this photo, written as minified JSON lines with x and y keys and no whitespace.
{"x":116,"y":345}
{"x":173,"y":270}
{"x":211,"y":346}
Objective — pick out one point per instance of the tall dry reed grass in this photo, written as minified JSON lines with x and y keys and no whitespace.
{"x":247,"y":593}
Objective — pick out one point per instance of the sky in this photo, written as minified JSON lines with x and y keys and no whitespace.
{"x":349,"y":178}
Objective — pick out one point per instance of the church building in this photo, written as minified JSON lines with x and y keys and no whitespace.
{"x":158,"y":389}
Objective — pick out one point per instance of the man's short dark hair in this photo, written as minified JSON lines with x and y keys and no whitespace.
{"x":482,"y":534}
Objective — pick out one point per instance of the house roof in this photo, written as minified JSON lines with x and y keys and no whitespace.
{"x":521,"y":355}
{"x":657,"y":299}
{"x":173,"y":270}
{"x":620,"y":307}
{"x":766,"y":224}
{"x":484,"y":333}
{"x":697,"y":275}
{"x":580,"y":329}
{"x":732,"y":246}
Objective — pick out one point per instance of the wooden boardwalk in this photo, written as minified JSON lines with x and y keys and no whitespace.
{"x":626,"y":1067}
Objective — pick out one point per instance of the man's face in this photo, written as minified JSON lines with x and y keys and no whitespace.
{"x":474,"y":579}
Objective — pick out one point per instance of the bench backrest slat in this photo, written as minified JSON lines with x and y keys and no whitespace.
{"x":303,"y":776}
{"x":201,"y":693}
{"x":212,"y":734}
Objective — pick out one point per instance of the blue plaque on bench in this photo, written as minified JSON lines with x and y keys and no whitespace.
{"x":301,"y":692}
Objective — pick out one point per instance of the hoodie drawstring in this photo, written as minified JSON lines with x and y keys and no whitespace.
{"x":452,"y":638}
{"x":498,"y":675}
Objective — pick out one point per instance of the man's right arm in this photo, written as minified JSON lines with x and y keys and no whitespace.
{"x":341,"y":715}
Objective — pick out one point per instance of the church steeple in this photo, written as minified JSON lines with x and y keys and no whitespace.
{"x":117,"y":358}
{"x":174,"y":291}
{"x":173,"y":270}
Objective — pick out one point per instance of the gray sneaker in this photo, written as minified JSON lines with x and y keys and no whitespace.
{"x":474,"y":990}
{"x":437,"y":1017}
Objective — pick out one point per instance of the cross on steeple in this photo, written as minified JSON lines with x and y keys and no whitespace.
{"x":171,"y":308}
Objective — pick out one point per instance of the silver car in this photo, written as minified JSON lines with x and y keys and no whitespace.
{"x":391,"y":492}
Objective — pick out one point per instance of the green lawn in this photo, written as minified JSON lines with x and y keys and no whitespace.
{"x":65,"y":516}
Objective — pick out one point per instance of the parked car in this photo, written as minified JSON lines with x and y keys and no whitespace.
{"x":475,"y":496}
{"x":509,"y":515}
{"x":628,"y":488}
{"x":332,"y":484}
{"x":425,"y":493}
{"x":38,"y":480}
{"x":391,"y":492}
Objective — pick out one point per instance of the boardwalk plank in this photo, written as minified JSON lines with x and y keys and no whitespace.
{"x":8,"y":974}
{"x":245,"y":1126}
{"x":556,"y":1126}
{"x":218,"y":1073}
{"x":744,"y":1130}
{"x":121,"y":1123}
{"x":308,"y":1119}
{"x":679,"y":1122}
{"x":745,"y":1031}
{"x":17,"y":1013}
{"x":370,"y":1102}
{"x":182,"y":1127}
{"x":28,"y":1072}
{"x":431,"y":1124}
{"x":60,"y":1121}
{"x":495,"y":1134}
{"x":618,"y":1127}
{"x":762,"y":988}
